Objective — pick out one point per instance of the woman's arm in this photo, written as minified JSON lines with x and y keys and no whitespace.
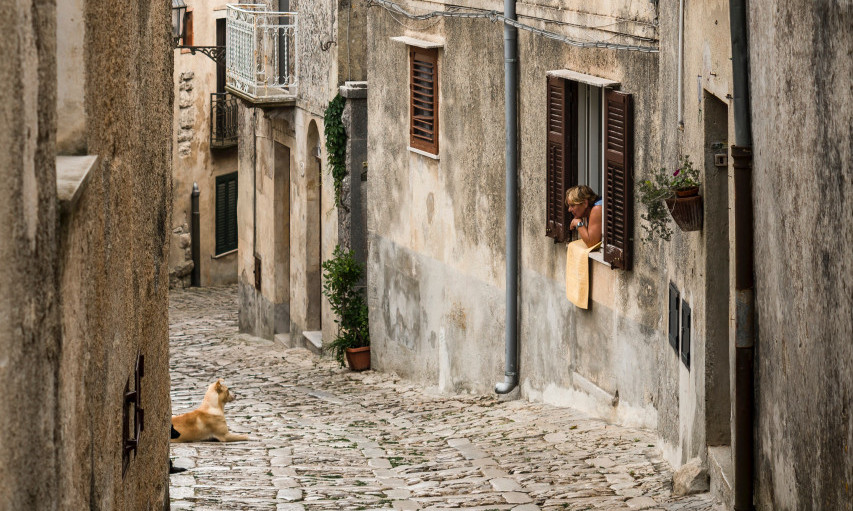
{"x":591,"y":234}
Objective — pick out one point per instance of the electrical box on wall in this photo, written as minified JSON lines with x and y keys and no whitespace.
{"x":673,"y":316}
{"x":686,"y":320}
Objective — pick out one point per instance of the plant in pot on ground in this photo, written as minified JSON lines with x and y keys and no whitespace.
{"x":658,"y":193}
{"x":342,"y":285}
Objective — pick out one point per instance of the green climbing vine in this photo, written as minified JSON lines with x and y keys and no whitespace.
{"x":336,"y":143}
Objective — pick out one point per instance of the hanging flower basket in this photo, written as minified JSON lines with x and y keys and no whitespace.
{"x":686,"y":211}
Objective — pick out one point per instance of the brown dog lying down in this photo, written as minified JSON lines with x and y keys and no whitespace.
{"x":207,"y":422}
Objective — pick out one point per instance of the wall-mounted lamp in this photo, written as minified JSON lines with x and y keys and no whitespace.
{"x":179,"y":28}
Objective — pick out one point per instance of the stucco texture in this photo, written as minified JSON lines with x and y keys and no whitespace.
{"x":85,"y":293}
{"x":802,"y":103}
{"x":29,"y":313}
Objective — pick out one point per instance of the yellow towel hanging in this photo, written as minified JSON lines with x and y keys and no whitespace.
{"x":577,"y":272}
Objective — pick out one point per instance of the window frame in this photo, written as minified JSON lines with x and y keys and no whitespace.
{"x":419,"y":124}
{"x":225,"y":219}
{"x":614,"y":163}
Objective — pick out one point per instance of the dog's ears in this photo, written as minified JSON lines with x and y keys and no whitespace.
{"x":219,"y":383}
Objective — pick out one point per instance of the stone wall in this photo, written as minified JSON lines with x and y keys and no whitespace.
{"x":30,"y":333}
{"x":803,"y":201}
{"x":90,"y":284}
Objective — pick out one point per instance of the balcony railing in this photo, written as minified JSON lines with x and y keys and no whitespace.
{"x":260,"y":53}
{"x":223,"y":120}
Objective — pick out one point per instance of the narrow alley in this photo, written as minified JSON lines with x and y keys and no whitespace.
{"x":322,"y":437}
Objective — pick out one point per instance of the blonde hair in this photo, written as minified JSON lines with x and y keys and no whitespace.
{"x":580,"y":193}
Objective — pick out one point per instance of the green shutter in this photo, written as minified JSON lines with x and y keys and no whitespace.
{"x":226,"y":213}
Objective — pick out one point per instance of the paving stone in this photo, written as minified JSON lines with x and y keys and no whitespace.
{"x":505,"y":484}
{"x":326,"y":439}
{"x":515,"y":497}
{"x":181,"y":492}
{"x":405,"y":505}
{"x":641,"y":503}
{"x":291,"y":494}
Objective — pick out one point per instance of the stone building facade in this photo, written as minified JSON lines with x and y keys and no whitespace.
{"x":436,"y":230}
{"x":287,"y":211}
{"x":204,"y":151}
{"x":84,"y":255}
{"x":802,"y":104}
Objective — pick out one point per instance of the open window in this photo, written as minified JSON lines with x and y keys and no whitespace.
{"x":590,"y":142}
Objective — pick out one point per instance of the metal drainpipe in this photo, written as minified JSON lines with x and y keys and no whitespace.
{"x":680,"y":64}
{"x":511,"y":100}
{"x":744,"y":263}
{"x":195,"y":279}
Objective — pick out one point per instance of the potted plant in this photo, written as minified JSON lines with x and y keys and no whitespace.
{"x":672,"y":193}
{"x":342,"y":285}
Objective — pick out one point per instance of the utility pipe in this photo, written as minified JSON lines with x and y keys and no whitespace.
{"x":511,"y":122}
{"x":195,"y":278}
{"x":680,"y":63}
{"x":744,"y":263}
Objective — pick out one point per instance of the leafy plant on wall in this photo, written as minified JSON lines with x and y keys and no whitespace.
{"x":336,"y":142}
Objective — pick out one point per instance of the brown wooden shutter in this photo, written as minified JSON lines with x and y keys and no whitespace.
{"x":561,"y":164}
{"x":424,"y":99}
{"x":618,"y":179}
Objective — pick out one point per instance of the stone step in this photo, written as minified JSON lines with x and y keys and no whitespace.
{"x":313,"y":340}
{"x":722,"y":474}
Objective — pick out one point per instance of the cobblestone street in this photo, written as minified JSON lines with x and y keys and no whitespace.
{"x":324,"y":438}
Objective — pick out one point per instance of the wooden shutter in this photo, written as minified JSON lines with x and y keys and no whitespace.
{"x":618,"y":179}
{"x":226,"y":213}
{"x":423,"y":85}
{"x":561,"y":163}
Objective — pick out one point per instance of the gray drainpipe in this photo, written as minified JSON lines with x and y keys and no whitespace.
{"x":744,"y":263}
{"x":511,"y":100}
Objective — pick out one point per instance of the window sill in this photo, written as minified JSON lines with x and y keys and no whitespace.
{"x":419,"y":43}
{"x":424,"y":153}
{"x":224,"y":254}
{"x":598,"y":256}
{"x":72,"y":175}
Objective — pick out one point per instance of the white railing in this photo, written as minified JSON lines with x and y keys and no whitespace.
{"x":260,"y":57}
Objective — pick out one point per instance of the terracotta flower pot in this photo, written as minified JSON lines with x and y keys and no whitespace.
{"x":686,"y":211}
{"x":687,"y":192}
{"x":358,"y":359}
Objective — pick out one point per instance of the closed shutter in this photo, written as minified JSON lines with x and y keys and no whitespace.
{"x":226,"y":213}
{"x":561,"y":164}
{"x":618,"y":179}
{"x":424,"y":99}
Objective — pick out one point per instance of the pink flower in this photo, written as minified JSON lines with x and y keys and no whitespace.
{"x":676,"y":172}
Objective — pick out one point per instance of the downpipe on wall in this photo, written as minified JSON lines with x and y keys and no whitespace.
{"x":511,"y":122}
{"x":744,"y":264}
{"x":195,"y":278}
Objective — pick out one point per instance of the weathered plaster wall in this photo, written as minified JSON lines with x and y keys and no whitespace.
{"x":70,"y":70}
{"x":286,"y":217}
{"x":193,"y":159}
{"x":30,"y":333}
{"x":802,"y":103}
{"x":86,"y":292}
{"x":436,"y":270}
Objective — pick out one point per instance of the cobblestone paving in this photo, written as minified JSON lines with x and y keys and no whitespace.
{"x":323,"y":438}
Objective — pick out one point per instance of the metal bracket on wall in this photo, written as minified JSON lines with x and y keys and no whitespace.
{"x":131,"y":409}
